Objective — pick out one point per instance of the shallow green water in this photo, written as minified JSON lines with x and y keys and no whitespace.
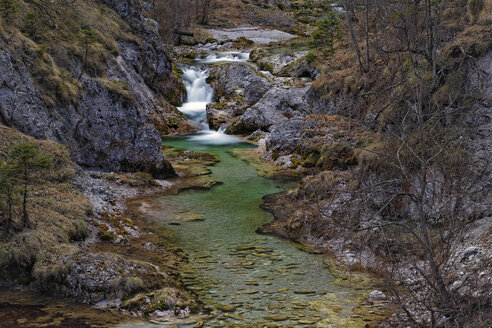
{"x":230,"y":264}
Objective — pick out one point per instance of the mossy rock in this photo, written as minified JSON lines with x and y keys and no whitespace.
{"x":242,"y":42}
{"x":264,"y":66}
{"x":189,"y":55}
{"x":329,"y":156}
{"x":336,"y":156}
{"x":167,"y":299}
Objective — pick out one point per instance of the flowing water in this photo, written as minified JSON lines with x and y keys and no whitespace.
{"x":200,"y":94}
{"x":224,"y":57}
{"x":247,"y":279}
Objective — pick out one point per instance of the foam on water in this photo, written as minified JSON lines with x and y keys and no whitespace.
{"x":211,"y":137}
{"x":229,"y":56}
{"x":199,"y":94}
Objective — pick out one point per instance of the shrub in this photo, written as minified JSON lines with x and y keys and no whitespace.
{"x":8,"y":8}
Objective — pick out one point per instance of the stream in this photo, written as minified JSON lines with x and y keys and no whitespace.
{"x":243,"y":279}
{"x":247,"y":279}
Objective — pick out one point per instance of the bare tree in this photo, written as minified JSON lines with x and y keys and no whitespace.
{"x":349,"y":17}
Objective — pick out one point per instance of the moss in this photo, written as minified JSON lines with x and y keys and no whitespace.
{"x":295,"y":163}
{"x":211,"y":40}
{"x":242,"y":42}
{"x":336,"y":156}
{"x":167,"y":299}
{"x":264,"y":66}
{"x":311,"y":159}
{"x":113,"y":226}
{"x":311,"y":57}
{"x":178,"y":72}
{"x":256,"y":54}
{"x":134,"y":285}
{"x":137,"y":179}
{"x":189,"y":55}
{"x":275,"y":155}
{"x":143,"y":179}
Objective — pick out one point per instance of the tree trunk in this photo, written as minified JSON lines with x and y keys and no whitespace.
{"x":366,"y":9}
{"x":25,"y":215}
{"x":348,"y":19}
{"x":9,"y":223}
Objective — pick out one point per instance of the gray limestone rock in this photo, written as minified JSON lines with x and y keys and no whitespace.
{"x":277,"y":106}
{"x":284,"y":138}
{"x":240,"y":76}
{"x":107,"y":127}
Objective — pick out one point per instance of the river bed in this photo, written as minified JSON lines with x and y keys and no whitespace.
{"x":245,"y":278}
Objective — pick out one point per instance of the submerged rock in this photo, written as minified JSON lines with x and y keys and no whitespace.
{"x":377,"y":295}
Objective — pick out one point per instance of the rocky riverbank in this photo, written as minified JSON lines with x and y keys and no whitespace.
{"x":302,"y":127}
{"x":107,"y":89}
{"x":109,"y":259}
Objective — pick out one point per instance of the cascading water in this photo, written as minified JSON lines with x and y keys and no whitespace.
{"x":249,"y":279}
{"x":199,"y":94}
{"x":224,"y":57}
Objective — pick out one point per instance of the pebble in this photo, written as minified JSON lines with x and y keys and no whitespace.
{"x":275,"y":317}
{"x":377,"y":295}
{"x":226,"y":308}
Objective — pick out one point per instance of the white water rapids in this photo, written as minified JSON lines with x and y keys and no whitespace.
{"x":225,"y":57}
{"x":199,"y":94}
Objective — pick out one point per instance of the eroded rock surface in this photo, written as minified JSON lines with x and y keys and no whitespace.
{"x":115,"y":122}
{"x":278,"y":105}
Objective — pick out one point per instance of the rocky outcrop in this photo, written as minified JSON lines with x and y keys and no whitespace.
{"x":237,"y":86}
{"x":239,"y":79}
{"x":93,"y":278}
{"x":115,"y":121}
{"x":286,"y":137}
{"x":292,"y":64}
{"x":278,"y":105}
{"x":219,"y":115}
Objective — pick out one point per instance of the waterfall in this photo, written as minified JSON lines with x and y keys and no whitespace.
{"x":225,"y":57}
{"x":199,"y":94}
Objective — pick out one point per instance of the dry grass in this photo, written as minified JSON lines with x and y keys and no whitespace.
{"x":56,"y":209}
{"x":49,"y":55}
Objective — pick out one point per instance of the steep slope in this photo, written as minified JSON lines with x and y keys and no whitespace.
{"x":92,"y":75}
{"x":396,"y":139}
{"x":83,"y":248}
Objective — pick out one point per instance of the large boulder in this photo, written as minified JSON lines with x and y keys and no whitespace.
{"x":278,"y":105}
{"x":286,"y":137}
{"x":239,"y":79}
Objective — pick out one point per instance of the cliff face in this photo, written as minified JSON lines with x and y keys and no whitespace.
{"x":106,"y":95}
